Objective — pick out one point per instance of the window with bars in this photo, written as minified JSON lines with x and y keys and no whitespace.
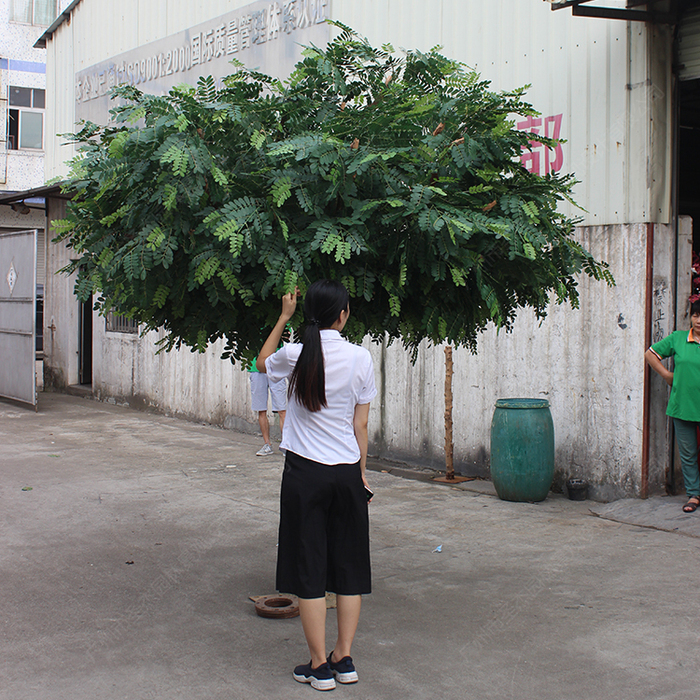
{"x":120,"y":324}
{"x":25,"y":122}
{"x":39,"y":12}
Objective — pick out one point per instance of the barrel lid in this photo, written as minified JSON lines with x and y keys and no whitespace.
{"x":522,"y":403}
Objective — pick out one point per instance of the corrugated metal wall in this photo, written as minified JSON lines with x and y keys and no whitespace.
{"x":689,"y":46}
{"x":579,"y":69}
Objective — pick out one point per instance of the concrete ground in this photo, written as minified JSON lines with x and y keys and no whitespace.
{"x":131,"y":542}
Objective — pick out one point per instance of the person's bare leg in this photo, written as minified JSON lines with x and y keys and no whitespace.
{"x":348,"y":616}
{"x":264,"y":424}
{"x":281,"y":414}
{"x":313,"y":620}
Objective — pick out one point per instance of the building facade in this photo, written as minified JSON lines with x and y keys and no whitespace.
{"x":609,"y":86}
{"x":22,"y":112}
{"x":22,"y":141}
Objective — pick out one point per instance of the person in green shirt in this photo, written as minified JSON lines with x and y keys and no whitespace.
{"x":684,"y":401}
{"x":259,"y":389}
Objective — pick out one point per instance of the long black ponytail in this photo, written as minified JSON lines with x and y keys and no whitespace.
{"x":324,"y":301}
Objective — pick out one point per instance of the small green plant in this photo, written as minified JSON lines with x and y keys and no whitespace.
{"x":400,"y":176}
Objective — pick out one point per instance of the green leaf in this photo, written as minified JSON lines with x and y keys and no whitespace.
{"x":116,"y":145}
{"x":219,"y":176}
{"x":529,"y":251}
{"x":181,"y":123}
{"x":161,"y":295}
{"x":112,"y":218}
{"x":394,"y":305}
{"x":257,"y":139}
{"x":281,"y":190}
{"x":170,"y":197}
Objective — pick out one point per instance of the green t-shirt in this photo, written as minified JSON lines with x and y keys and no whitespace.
{"x":253,"y":368}
{"x":684,"y":402}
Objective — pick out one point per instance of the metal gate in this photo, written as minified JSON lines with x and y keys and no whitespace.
{"x":18,"y":316}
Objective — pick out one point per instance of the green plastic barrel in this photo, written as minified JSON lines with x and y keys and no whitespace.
{"x":522,"y":449}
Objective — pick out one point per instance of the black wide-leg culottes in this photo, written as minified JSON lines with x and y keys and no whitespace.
{"x":324,"y":530}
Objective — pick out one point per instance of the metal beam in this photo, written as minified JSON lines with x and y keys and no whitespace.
{"x":561,"y":4}
{"x":629,"y":15}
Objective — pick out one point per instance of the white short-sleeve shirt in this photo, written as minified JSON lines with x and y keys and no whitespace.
{"x":327,"y":436}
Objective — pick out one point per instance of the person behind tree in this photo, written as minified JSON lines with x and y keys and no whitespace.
{"x":259,"y":388}
{"x":324,"y":524}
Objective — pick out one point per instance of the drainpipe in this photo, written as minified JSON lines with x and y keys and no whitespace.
{"x":646,"y":418}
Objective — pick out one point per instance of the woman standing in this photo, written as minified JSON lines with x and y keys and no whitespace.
{"x":324,"y":525}
{"x":684,"y":402}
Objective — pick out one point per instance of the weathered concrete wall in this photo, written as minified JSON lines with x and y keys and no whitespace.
{"x":197,"y":386}
{"x":588,"y":363}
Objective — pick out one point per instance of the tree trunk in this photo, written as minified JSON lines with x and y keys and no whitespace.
{"x":449,"y":445}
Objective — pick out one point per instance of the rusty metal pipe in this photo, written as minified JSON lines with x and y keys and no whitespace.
{"x":646,"y":417}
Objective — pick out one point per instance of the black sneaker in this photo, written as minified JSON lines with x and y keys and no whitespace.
{"x":344,"y":670}
{"x":320,"y":678}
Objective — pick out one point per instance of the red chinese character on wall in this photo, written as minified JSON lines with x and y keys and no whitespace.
{"x":536,"y":157}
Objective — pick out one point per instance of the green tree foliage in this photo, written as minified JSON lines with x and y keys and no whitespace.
{"x":401,"y":177}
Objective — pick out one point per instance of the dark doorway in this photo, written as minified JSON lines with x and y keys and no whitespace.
{"x":688,"y":204}
{"x":689,"y":155}
{"x":85,"y":343}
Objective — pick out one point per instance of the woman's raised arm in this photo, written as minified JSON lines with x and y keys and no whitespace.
{"x":289,"y":306}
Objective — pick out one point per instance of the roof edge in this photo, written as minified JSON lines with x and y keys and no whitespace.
{"x":62,"y":17}
{"x":44,"y":191}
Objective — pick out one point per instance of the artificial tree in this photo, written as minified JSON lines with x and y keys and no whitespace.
{"x":399,"y":175}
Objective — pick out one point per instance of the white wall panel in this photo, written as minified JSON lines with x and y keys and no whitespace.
{"x":578,"y":68}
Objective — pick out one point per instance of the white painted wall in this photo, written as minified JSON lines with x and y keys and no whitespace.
{"x":191,"y":385}
{"x":25,"y":170}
